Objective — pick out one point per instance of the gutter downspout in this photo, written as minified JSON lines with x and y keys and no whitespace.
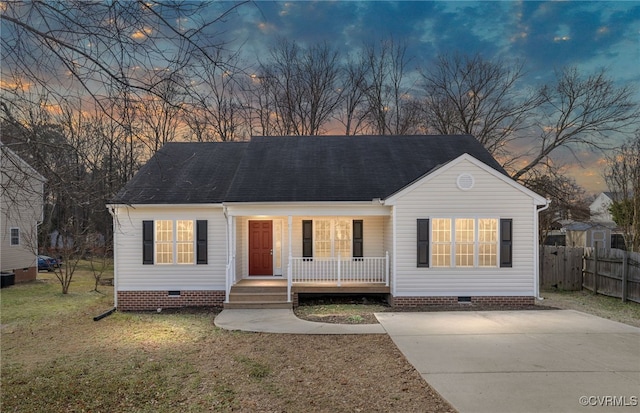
{"x":228,"y":253}
{"x":114,"y":214}
{"x":537,"y":249}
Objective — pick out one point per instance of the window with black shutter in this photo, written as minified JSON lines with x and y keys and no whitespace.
{"x":506,"y":243}
{"x":147,"y":242}
{"x":201,"y":242}
{"x":423,"y":243}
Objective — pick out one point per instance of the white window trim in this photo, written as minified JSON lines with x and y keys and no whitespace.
{"x":11,"y":237}
{"x":174,"y":243}
{"x":452,"y":243}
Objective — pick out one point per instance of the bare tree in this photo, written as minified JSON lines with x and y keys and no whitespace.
{"x":353,"y":111}
{"x":568,"y":199}
{"x":219,"y":109}
{"x":89,"y":44}
{"x":298,"y":89}
{"x":622,"y":175}
{"x":390,"y":108}
{"x":585,"y":111}
{"x":472,"y":95}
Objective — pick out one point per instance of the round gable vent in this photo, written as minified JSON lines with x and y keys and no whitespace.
{"x":465,"y":181}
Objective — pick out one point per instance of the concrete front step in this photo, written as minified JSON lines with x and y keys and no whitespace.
{"x":258,"y":289}
{"x":257,"y":296}
{"x":248,"y":305}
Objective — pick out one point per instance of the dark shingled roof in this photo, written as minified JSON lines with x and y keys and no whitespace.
{"x":295,"y":168}
{"x":185,"y":173}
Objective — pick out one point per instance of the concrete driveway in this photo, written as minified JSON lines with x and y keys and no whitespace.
{"x":523,"y":361}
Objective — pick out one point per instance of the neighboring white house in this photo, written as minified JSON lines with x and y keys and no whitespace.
{"x":422,"y":219}
{"x":599,"y":209}
{"x":21,"y":210}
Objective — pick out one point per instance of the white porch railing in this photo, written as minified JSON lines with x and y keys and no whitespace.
{"x":339,"y":270}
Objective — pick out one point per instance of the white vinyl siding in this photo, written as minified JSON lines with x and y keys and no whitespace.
{"x":490,"y":198}
{"x":134,"y":276}
{"x":21,"y":208}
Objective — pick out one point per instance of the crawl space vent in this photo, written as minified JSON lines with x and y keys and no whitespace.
{"x":465,"y":181}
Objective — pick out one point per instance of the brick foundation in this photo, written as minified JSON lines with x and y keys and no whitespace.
{"x":152,"y":300}
{"x":489,"y":300}
{"x":24,"y":275}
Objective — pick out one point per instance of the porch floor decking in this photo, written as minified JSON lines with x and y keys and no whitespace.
{"x":272,"y":293}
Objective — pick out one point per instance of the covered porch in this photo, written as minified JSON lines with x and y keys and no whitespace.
{"x":273,"y":257}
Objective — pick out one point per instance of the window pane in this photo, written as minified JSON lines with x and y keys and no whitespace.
{"x":322,"y":238}
{"x":441,"y":230}
{"x":164,"y":242}
{"x":185,"y":252}
{"x":487,"y":255}
{"x":15,"y":236}
{"x":441,"y":242}
{"x":342,"y":240}
{"x":487,"y":242}
{"x":184,"y":242}
{"x":164,"y":253}
{"x":164,"y":231}
{"x":465,"y":242}
{"x":441,"y":255}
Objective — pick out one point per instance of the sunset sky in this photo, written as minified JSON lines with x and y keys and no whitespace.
{"x":545,"y":35}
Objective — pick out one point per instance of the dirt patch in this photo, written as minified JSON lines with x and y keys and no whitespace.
{"x":361,"y":310}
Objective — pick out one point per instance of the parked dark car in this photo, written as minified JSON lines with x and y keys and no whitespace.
{"x":47,"y":263}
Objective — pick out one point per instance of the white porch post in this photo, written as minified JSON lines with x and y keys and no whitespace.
{"x":230,"y":270}
{"x":339,"y":259}
{"x":386,"y":269}
{"x":289,"y":261}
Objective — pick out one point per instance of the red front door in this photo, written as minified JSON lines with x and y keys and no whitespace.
{"x":260,"y":248}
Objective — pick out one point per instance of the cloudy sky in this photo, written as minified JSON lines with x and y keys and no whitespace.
{"x":545,"y":35}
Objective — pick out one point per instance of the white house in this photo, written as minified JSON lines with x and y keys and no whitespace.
{"x":21,"y":209}
{"x":599,"y":209}
{"x":422,"y":219}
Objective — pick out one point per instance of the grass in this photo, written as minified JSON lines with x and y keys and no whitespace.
{"x":55,"y":358}
{"x":43,"y":298}
{"x":600,"y":305}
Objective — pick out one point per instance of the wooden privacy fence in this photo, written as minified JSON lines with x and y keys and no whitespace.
{"x":561,"y":268}
{"x":612,"y":272}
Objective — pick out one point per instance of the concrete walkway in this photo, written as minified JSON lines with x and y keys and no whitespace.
{"x":522,"y":361}
{"x":498,"y":361}
{"x":286,"y":322}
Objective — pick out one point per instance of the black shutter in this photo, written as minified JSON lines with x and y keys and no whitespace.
{"x":201,"y":242}
{"x":423,"y":243}
{"x":307,"y":238}
{"x":147,"y":242}
{"x":358,"y":238}
{"x":506,"y":243}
